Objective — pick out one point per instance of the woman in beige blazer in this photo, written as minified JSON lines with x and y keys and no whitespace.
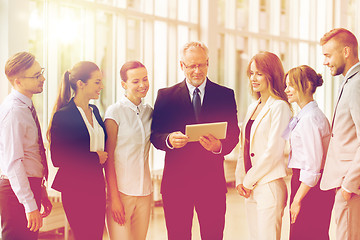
{"x":261,"y":165}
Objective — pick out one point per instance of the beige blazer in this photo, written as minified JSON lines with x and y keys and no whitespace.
{"x":342,"y":165}
{"x":266,"y":144}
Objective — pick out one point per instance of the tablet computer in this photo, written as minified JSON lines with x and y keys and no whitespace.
{"x":195,"y":131}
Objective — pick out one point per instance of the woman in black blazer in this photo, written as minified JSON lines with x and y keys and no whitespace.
{"x":77,"y":136}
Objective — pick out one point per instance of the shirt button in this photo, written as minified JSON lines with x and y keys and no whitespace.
{"x":252,"y":154}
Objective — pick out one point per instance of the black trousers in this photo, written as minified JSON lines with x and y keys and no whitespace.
{"x":313,"y":220}
{"x":85,"y":211}
{"x":13,"y":216}
{"x":179,"y":209}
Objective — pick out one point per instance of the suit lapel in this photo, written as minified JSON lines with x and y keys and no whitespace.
{"x":208,"y":94}
{"x":77,"y":117}
{"x":249,"y":113}
{"x":261,"y":115}
{"x":349,"y":76}
{"x":183,"y":94}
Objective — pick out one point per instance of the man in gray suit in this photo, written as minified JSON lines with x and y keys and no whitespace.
{"x":342,"y":166}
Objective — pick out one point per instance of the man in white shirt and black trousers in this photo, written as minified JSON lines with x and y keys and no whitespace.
{"x":23,"y":162}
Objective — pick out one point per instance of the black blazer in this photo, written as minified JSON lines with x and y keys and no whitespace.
{"x":70,"y":151}
{"x":193,"y":168}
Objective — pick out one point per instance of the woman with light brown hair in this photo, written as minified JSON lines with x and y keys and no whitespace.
{"x":261,"y":165}
{"x":309,"y":135}
{"x":128,"y":123}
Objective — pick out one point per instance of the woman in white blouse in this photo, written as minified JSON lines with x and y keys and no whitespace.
{"x":309,"y":135}
{"x":128,"y":175}
{"x":77,"y":140}
{"x":261,"y":165}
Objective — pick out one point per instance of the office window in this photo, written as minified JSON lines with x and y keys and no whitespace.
{"x":109,"y":33}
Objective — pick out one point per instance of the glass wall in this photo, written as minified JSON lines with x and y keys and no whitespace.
{"x":290,"y":29}
{"x":110,"y":33}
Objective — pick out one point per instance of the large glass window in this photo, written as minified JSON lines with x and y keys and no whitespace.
{"x":290,"y":29}
{"x":110,"y":32}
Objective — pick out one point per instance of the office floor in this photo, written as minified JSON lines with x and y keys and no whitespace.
{"x":235,"y":223}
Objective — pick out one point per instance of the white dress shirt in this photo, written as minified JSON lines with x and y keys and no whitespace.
{"x":309,"y":141}
{"x":132,"y":146}
{"x":191,"y":93}
{"x":192,"y":89}
{"x":96,"y":132}
{"x":19,"y":149}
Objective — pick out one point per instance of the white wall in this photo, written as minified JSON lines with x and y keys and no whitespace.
{"x":14,"y":34}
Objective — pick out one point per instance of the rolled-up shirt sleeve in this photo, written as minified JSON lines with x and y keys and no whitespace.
{"x":309,"y":141}
{"x":309,"y":178}
{"x":312,"y":150}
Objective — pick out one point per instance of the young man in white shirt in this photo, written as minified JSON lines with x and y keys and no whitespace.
{"x":22,"y":155}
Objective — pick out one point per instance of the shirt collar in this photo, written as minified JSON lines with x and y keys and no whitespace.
{"x":131,"y":105}
{"x":192,"y":88}
{"x":308,"y":107}
{"x":26,"y":100}
{"x":350,"y":70}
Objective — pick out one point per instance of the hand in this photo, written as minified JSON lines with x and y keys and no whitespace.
{"x":240,"y":190}
{"x":243,"y":191}
{"x":45,"y":202}
{"x":178,"y":139}
{"x":102,"y":156}
{"x":34,"y":220}
{"x":210,"y":143}
{"x":117,"y":210}
{"x":294,"y":211}
{"x":347,"y":196}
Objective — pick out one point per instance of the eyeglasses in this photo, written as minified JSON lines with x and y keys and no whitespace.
{"x":193,"y":67}
{"x":38,"y":75}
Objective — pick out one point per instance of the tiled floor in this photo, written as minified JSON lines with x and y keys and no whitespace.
{"x":235,"y":223}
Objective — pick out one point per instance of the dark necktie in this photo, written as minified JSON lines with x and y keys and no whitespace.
{"x":41,"y":143}
{"x":196,"y":103}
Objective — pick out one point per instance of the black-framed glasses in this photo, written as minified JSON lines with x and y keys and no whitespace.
{"x":200,"y":66}
{"x":37,"y":76}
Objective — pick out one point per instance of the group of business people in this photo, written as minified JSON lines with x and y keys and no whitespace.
{"x":322,"y":156}
{"x":82,"y":145}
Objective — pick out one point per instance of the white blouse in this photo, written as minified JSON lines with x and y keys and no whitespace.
{"x":309,"y":141}
{"x":96,"y":132}
{"x":132,"y":146}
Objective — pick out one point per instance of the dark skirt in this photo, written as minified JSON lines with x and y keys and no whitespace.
{"x":313,"y":220}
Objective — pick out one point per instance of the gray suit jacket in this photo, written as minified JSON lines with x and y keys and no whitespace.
{"x":342,"y":166}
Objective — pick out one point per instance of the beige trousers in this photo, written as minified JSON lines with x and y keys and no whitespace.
{"x":137,"y":217}
{"x":347,"y":217}
{"x":264,"y":210}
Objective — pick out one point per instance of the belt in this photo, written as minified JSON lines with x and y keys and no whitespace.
{"x":3,"y":177}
